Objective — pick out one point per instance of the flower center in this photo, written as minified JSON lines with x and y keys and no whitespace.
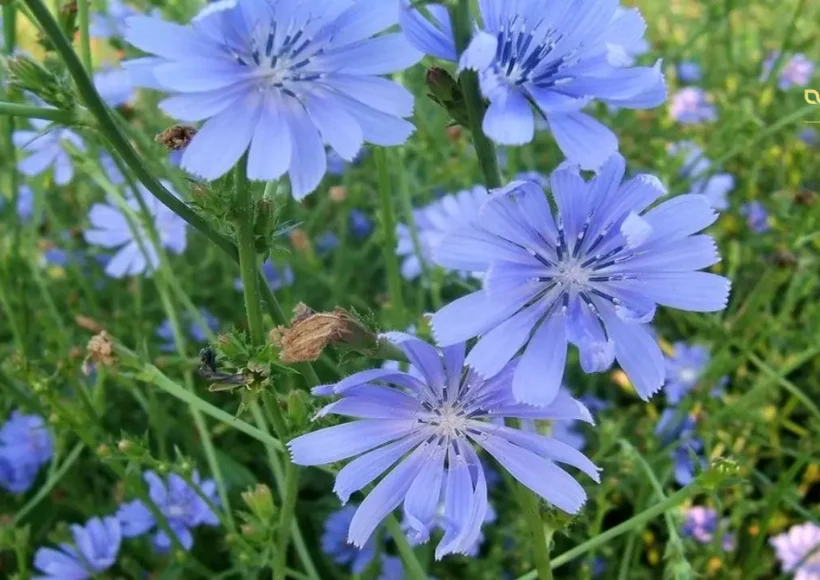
{"x":688,"y":375}
{"x":449,"y":421}
{"x":176,"y":511}
{"x":573,"y":274}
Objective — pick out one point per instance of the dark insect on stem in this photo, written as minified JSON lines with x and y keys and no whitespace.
{"x":208,"y":371}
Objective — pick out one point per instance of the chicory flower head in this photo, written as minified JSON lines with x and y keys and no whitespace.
{"x":95,"y":549}
{"x":279,"y":79}
{"x":25,"y":446}
{"x":757,"y":218}
{"x":692,"y":105}
{"x":798,"y":550}
{"x":46,"y":147}
{"x":696,"y":167}
{"x":25,"y":202}
{"x":111,"y":23}
{"x":179,"y":503}
{"x":426,"y":424}
{"x":165,"y":332}
{"x":689,"y":71}
{"x":683,"y":370}
{"x":277,"y":277}
{"x":701,"y":523}
{"x":360,"y":224}
{"x":136,"y":253}
{"x":559,"y":55}
{"x":590,"y":273}
{"x":115,"y":86}
{"x":677,"y":428}
{"x":433,"y":222}
{"x":796,"y":72}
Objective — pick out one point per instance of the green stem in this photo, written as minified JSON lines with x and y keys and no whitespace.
{"x":285,"y":519}
{"x":412,"y":566}
{"x":248,"y":266}
{"x":32,"y":112}
{"x":530,"y":505}
{"x":670,"y":502}
{"x":389,"y":247}
{"x":484,"y":148}
{"x":85,"y":39}
{"x":46,"y":488}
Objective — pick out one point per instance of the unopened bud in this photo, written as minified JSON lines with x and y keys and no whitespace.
{"x":124,"y":445}
{"x":310,"y":334}
{"x":29,"y":75}
{"x":264,"y":225}
{"x":103,"y":450}
{"x":88,"y":323}
{"x":300,"y":240}
{"x":260,"y":501}
{"x":445,"y":91}
{"x":298,"y":402}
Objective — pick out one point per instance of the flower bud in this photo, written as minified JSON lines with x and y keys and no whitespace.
{"x":445,"y":91}
{"x":311,"y":332}
{"x":299,"y":408}
{"x":337,"y":193}
{"x":260,"y":501}
{"x":29,"y":75}
{"x":100,"y":350}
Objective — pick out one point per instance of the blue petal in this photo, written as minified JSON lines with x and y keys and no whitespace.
{"x":434,"y":40}
{"x":362,"y":20}
{"x":509,"y":121}
{"x":693,"y":291}
{"x":680,"y":216}
{"x":582,"y":139}
{"x":308,"y":157}
{"x":472,"y":315}
{"x":538,"y":375}
{"x":480,"y":53}
{"x":338,"y":128}
{"x":270,"y":153}
{"x":381,"y":55}
{"x":424,"y":495}
{"x":346,"y":440}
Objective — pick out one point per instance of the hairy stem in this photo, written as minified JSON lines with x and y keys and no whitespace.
{"x":389,"y":247}
{"x":540,"y":543}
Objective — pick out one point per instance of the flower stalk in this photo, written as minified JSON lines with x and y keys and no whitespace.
{"x":484,"y":148}
{"x":389,"y":224}
{"x":540,"y":542}
{"x":85,"y":38}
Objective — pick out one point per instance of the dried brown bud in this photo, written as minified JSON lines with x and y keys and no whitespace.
{"x":805,"y":197}
{"x":176,"y":137}
{"x":454,"y":132}
{"x":100,"y":351}
{"x":310,"y":332}
{"x":337,"y":193}
{"x":300,"y":240}
{"x":88,"y":323}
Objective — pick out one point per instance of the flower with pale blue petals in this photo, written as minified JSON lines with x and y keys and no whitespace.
{"x":135,"y":253}
{"x":279,"y":80}
{"x":683,"y":370}
{"x":326,"y":243}
{"x":95,"y":550}
{"x":757,"y":218}
{"x":180,"y":503}
{"x":115,"y":86}
{"x":700,"y":523}
{"x":798,"y":551}
{"x":111,"y":169}
{"x":25,"y":202}
{"x":112,"y":22}
{"x":338,"y":166}
{"x":47,"y":148}
{"x":165,"y":332}
{"x":696,"y":167}
{"x":426,"y":423}
{"x":689,"y":71}
{"x":678,"y":429}
{"x":558,"y":55}
{"x":798,"y":70}
{"x":432,"y":223}
{"x":415,"y":539}
{"x":25,"y":446}
{"x":277,"y":277}
{"x":809,"y":137}
{"x":335,"y":545}
{"x":592,"y":273}
{"x":692,"y":105}
{"x":543,"y":181}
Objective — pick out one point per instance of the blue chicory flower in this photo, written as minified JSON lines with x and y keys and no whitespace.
{"x":440,"y":523}
{"x":25,"y":446}
{"x":338,"y":166}
{"x":433,"y":222}
{"x":95,"y":549}
{"x":756,"y":215}
{"x":696,"y":167}
{"x":326,"y":243}
{"x":429,"y":425}
{"x":687,"y":452}
{"x":136,"y":252}
{"x":591,"y":273}
{"x":798,"y":550}
{"x":700,"y":523}
{"x":115,"y":86}
{"x":165,"y":331}
{"x":683,"y":370}
{"x":692,"y":105}
{"x":278,"y":80}
{"x":179,"y":503}
{"x":797,"y":72}
{"x":111,"y":23}
{"x":25,"y":202}
{"x":559,"y":55}
{"x":360,"y":224}
{"x":111,"y":170}
{"x":809,"y":137}
{"x":277,"y":277}
{"x":45,"y":148}
{"x":689,"y":71}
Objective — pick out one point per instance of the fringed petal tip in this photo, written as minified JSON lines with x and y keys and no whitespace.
{"x":323,"y":390}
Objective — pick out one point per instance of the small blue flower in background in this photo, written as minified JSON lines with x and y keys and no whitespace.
{"x":166,"y":333}
{"x":326,"y":243}
{"x":756,"y":215}
{"x":25,"y":446}
{"x":111,"y":170}
{"x":696,"y":165}
{"x":44,"y":148}
{"x":809,"y":137}
{"x":692,"y":105}
{"x":25,"y":202}
{"x":279,"y":80}
{"x":796,"y":72}
{"x":338,"y":166}
{"x":178,"y":502}
{"x":110,"y":229}
{"x":689,"y":72}
{"x":591,"y":274}
{"x":95,"y":549}
{"x":360,"y":224}
{"x":115,"y":86}
{"x":797,"y":550}
{"x":277,"y":277}
{"x":433,"y":222}
{"x":558,"y":54}
{"x":683,"y":370}
{"x":428,"y":423}
{"x":335,"y":545}
{"x":700,"y":523}
{"x":112,"y":22}
{"x":687,"y":452}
